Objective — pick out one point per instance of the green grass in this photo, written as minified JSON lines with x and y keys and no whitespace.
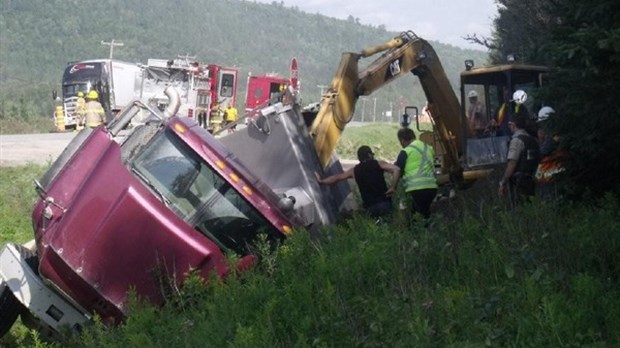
{"x":33,"y":125}
{"x":381,"y":137}
{"x":543,"y":275}
{"x":534,"y":277}
{"x":18,"y":195}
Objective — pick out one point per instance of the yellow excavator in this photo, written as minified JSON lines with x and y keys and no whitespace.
{"x":462,"y":157}
{"x":401,"y":55}
{"x":285,"y":144}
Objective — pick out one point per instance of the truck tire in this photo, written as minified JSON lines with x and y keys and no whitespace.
{"x":64,"y":157}
{"x":10,"y":308}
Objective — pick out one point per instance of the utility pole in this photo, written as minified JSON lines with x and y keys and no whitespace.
{"x":374,"y":109}
{"x":363,"y":99}
{"x":112,"y":44}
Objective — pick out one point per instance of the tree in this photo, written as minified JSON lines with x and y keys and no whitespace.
{"x":581,"y":41}
{"x":586,"y":49}
{"x":520,"y":29}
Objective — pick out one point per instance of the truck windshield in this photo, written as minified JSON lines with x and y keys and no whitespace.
{"x":199,"y":195}
{"x":80,"y":77}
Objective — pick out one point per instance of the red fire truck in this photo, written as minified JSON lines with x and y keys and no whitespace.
{"x":205,"y":90}
{"x":264,"y":90}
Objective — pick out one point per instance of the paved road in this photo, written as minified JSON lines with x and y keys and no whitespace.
{"x":21,"y":149}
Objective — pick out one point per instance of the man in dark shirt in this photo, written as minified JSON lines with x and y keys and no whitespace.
{"x":370,"y":179}
{"x":523,"y":157}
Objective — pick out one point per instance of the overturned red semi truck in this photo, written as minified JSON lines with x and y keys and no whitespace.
{"x":139,"y":207}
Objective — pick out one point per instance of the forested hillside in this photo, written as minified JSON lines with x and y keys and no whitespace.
{"x":37,"y":37}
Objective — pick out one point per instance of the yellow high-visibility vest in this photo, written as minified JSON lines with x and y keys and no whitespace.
{"x":419,"y":168}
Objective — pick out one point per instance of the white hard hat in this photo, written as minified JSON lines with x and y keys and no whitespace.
{"x":472,"y":94}
{"x":519,"y":96}
{"x":545,"y":112}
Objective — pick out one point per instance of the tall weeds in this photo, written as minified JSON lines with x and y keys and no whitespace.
{"x":542,"y":275}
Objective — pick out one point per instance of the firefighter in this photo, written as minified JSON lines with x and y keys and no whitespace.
{"x":94,"y":115}
{"x":511,"y":107}
{"x":80,"y":106}
{"x":202,"y":119}
{"x":231,"y":117}
{"x":551,"y":157}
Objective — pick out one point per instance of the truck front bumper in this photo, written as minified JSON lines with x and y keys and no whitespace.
{"x":43,"y":302}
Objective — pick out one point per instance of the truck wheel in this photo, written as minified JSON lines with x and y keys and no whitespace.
{"x":10,"y":308}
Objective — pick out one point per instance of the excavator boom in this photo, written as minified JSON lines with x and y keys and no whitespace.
{"x":336,"y":108}
{"x":402,"y":54}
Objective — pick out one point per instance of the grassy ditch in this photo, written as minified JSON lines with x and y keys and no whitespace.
{"x":535,"y":277}
{"x":543,"y":275}
{"x":17,"y":196}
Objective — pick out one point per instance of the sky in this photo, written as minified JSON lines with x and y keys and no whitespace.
{"x":446,"y":21}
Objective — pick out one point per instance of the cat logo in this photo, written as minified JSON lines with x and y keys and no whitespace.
{"x":395,"y":67}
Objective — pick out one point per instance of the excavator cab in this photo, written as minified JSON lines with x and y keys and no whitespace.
{"x":487,"y":104}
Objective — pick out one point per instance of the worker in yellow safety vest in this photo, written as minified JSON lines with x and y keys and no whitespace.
{"x":94,"y":115}
{"x":80,"y":106}
{"x":417,"y":164}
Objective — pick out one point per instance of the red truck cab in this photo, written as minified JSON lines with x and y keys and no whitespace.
{"x":141,"y":210}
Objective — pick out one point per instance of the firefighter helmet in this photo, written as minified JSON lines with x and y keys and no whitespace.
{"x":92,"y":95}
{"x":80,"y":94}
{"x":472,"y":94}
{"x":519,"y":96}
{"x":544,"y":113}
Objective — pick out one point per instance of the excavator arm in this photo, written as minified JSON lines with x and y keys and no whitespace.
{"x":402,"y":54}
